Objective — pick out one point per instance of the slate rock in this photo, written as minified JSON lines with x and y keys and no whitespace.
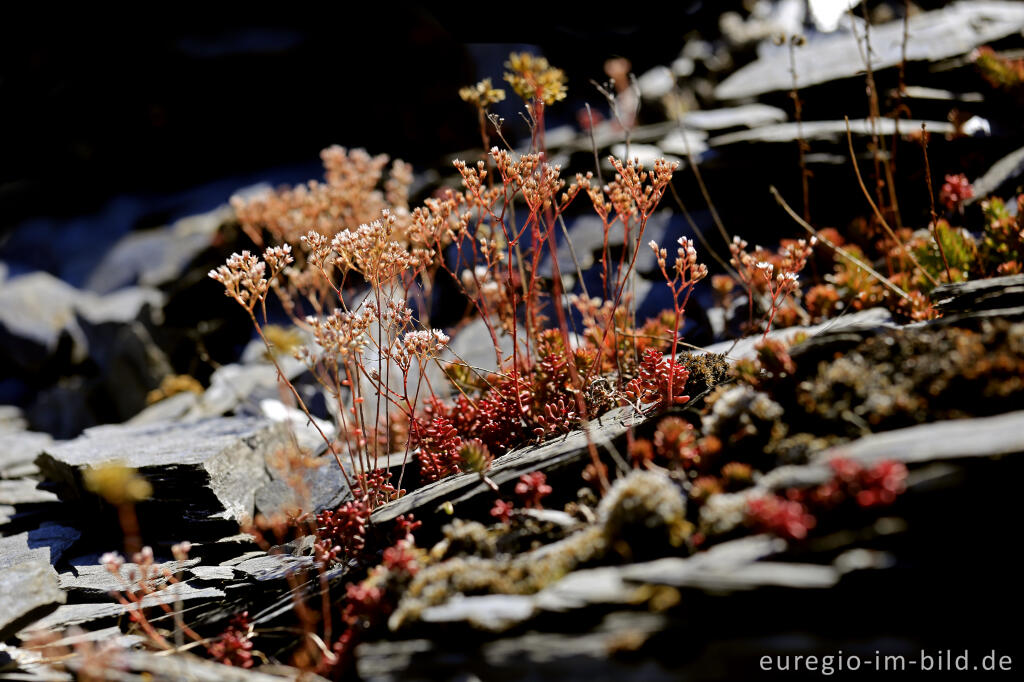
{"x":155,"y":257}
{"x":79,"y":614}
{"x":657,"y":82}
{"x":209,"y":468}
{"x":1004,"y":171}
{"x":744,"y":116}
{"x":18,"y":450}
{"x":533,"y":655}
{"x":11,"y":419}
{"x":949,"y":32}
{"x":984,"y":294}
{"x":953,"y":439}
{"x":323,"y":487}
{"x":825,"y":131}
{"x":130,"y":666}
{"x":95,"y":582}
{"x":171,"y":408}
{"x":24,"y":491}
{"x":41,"y":318}
{"x":236,"y":384}
{"x":30,"y":592}
{"x":868,"y":321}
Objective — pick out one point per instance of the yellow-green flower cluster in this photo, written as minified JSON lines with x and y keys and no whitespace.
{"x":533,"y":78}
{"x":482,"y":94}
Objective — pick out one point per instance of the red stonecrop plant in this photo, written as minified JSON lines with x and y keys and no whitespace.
{"x":439,"y":444}
{"x":234,"y":645}
{"x":785,"y":518}
{"x":955,"y":191}
{"x":532,"y":488}
{"x":659,"y":383}
{"x":852,"y":485}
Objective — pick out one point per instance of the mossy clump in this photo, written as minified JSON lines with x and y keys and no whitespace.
{"x":707,"y":370}
{"x":642,"y":515}
{"x":915,"y":376}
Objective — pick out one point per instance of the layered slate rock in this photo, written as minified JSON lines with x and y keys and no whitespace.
{"x":995,"y":293}
{"x":158,"y":256}
{"x":949,"y":32}
{"x":209,"y":469}
{"x":42,"y":318}
{"x":28,"y":584}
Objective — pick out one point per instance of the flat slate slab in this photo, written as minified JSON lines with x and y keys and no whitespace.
{"x":826,"y":131}
{"x":225,"y":457}
{"x":28,"y":584}
{"x":950,"y":32}
{"x":77,"y":614}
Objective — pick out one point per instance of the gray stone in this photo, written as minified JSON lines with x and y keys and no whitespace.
{"x":172,"y":408}
{"x":684,"y":573}
{"x":42,"y":317}
{"x":495,"y":612}
{"x":24,"y":491}
{"x":11,"y":419}
{"x":157,"y":256}
{"x":212,"y":573}
{"x":533,"y":655}
{"x":96,"y":582}
{"x":983,"y":294}
{"x":824,"y":131}
{"x":213,"y":466}
{"x":646,"y":154}
{"x":657,"y":82}
{"x":556,"y":453}
{"x":745,"y":116}
{"x":111,"y":634}
{"x":949,"y":32}
{"x":233,"y":385}
{"x":323,"y":487}
{"x":131,"y":666}
{"x":1007,"y":169}
{"x":865,"y":321}
{"x":77,"y":614}
{"x":953,"y":439}
{"x":18,"y":450}
{"x":272,"y":566}
{"x":30,"y":592}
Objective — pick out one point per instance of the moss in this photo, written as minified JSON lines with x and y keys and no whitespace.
{"x":707,"y":370}
{"x":916,"y":375}
{"x":641,"y":515}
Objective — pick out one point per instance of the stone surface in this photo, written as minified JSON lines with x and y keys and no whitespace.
{"x":982,"y":294}
{"x":210,"y":468}
{"x":745,"y":116}
{"x":29,"y":589}
{"x":863,"y":322}
{"x":95,"y":582}
{"x":824,"y":131}
{"x":42,"y":318}
{"x":944,"y":33}
{"x":130,"y":666}
{"x":157,"y":256}
{"x":1004,"y":171}
{"x":237,"y":384}
{"x":18,"y":450}
{"x":24,"y":491}
{"x":78,"y":614}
